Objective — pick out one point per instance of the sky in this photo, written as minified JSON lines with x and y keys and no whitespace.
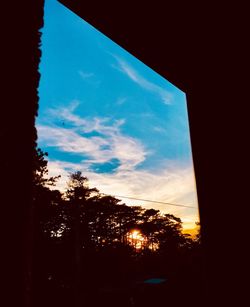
{"x":105,"y":113}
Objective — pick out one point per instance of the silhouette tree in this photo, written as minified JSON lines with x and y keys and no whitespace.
{"x":82,"y":241}
{"x":77,"y":195}
{"x":46,"y":221}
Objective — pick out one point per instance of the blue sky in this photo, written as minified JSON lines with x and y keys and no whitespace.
{"x":104,"y":112}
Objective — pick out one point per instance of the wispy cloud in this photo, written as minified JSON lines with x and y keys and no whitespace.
{"x":159,"y":129}
{"x":109,"y":143}
{"x":123,"y":66}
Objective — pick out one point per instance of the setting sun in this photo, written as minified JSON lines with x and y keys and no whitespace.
{"x":135,"y":234}
{"x":136,"y":238}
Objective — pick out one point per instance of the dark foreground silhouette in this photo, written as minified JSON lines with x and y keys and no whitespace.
{"x":93,"y":250}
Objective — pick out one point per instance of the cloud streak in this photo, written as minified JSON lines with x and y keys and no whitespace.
{"x":165,"y":96}
{"x":108,"y":144}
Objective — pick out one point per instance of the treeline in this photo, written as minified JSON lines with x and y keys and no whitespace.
{"x":84,"y":241}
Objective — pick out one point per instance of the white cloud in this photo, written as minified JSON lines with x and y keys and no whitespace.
{"x":127,"y":150}
{"x":69,"y":141}
{"x":86,"y":125}
{"x":109,"y":144}
{"x":74,"y":104}
{"x":124,"y":67}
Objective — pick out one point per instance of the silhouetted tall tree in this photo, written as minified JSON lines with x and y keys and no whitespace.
{"x":46,"y":221}
{"x":77,"y":195}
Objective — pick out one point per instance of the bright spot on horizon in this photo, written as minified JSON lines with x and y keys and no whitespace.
{"x":135,"y":234}
{"x":106,"y":114}
{"x":136,"y":239}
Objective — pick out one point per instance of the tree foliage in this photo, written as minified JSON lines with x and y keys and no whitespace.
{"x":84,"y":239}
